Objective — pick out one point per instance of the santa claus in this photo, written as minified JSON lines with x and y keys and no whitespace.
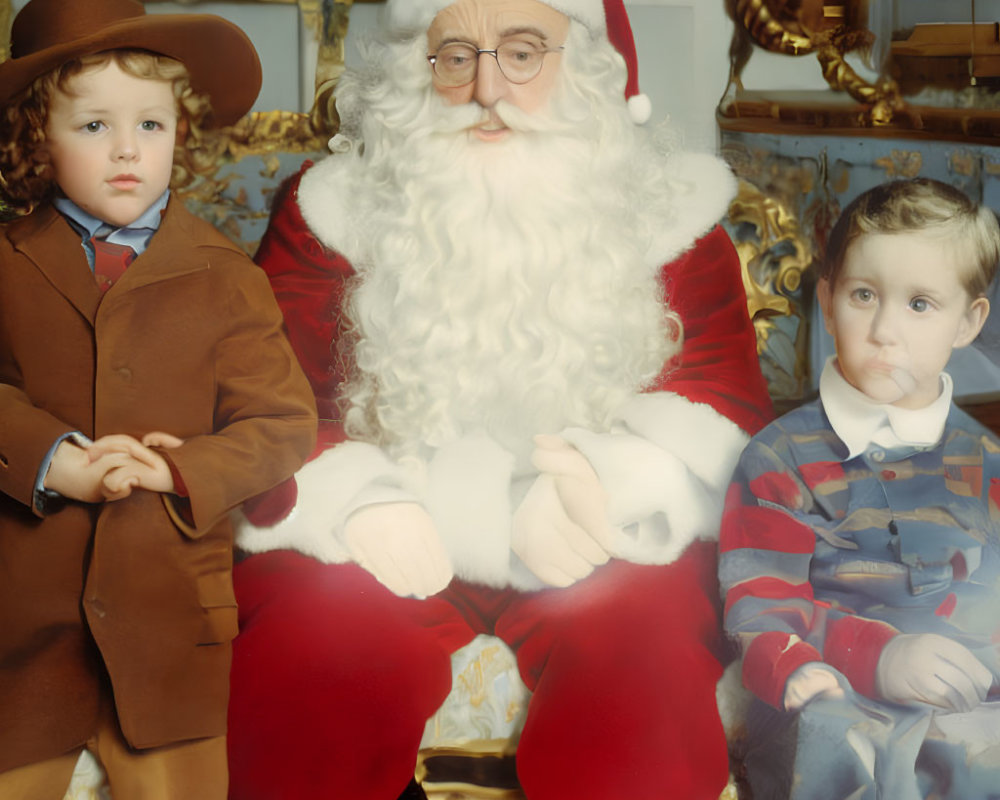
{"x":531,"y":345}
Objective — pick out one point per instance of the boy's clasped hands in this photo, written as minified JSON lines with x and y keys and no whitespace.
{"x":111,"y":467}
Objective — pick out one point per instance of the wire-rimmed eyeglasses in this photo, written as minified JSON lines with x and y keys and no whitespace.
{"x":457,"y":63}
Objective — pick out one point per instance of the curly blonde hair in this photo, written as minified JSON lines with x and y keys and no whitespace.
{"x":25,"y":174}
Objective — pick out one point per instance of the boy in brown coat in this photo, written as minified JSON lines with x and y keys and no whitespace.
{"x":139,"y":403}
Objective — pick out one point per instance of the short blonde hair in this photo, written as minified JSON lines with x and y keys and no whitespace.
{"x":920,"y":204}
{"x":25,"y":175}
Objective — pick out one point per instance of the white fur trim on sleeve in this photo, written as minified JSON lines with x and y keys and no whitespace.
{"x":468,"y":497}
{"x":330,"y":487}
{"x":323,"y":198}
{"x":665,"y":466}
{"x":708,"y":442}
{"x":702,"y":187}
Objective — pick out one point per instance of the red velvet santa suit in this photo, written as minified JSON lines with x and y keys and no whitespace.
{"x":334,"y":676}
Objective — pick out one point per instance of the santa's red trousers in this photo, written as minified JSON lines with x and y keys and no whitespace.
{"x":334,"y":678}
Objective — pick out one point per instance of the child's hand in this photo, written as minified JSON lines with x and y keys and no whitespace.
{"x":809,"y":682}
{"x":142,"y":468}
{"x":160,"y":439}
{"x":78,"y":474}
{"x":929,"y":668}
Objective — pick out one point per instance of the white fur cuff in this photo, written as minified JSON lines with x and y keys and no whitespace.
{"x":328,"y":491}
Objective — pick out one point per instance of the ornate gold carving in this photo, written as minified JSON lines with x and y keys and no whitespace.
{"x":769,"y":32}
{"x":962,"y":162}
{"x":6,"y":18}
{"x":773,"y":265}
{"x":901,"y":163}
{"x":793,"y":33}
{"x":774,"y":261}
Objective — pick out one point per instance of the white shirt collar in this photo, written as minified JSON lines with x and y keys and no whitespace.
{"x":859,"y":421}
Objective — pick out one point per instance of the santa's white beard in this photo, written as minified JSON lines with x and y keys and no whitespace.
{"x":505,"y":287}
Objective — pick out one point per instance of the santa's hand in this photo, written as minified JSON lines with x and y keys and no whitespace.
{"x":549,"y":543}
{"x":808,"y":682}
{"x":579,"y":489}
{"x":399,"y":545}
{"x":929,"y":668}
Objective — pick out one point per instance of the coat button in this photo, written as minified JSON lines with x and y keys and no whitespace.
{"x":98,"y":607}
{"x":888,"y":474}
{"x":125,"y":374}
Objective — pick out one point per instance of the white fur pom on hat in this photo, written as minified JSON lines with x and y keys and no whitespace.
{"x":600,"y":17}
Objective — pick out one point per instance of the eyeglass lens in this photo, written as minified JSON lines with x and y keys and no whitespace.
{"x":456,"y":64}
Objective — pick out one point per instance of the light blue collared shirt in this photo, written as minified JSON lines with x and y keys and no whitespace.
{"x":136,"y":235}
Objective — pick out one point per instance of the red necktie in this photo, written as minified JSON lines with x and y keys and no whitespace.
{"x":110,"y":262}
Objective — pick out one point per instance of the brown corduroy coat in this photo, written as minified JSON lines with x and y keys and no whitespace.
{"x":189,"y":341}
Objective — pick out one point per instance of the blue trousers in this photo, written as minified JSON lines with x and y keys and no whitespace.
{"x":855,"y":748}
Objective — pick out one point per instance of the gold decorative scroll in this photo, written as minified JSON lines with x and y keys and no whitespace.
{"x":791,"y":34}
{"x":774,"y":261}
{"x":769,"y":32}
{"x":6,"y":18}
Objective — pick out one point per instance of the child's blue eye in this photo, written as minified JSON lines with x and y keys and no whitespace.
{"x":863,"y":295}
{"x":93,"y":127}
{"x":919,"y":304}
{"x":150,"y":125}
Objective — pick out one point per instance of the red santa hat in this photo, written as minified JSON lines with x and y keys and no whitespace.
{"x":600,"y":17}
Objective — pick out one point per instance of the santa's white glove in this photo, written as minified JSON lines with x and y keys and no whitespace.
{"x":932,"y":669}
{"x":579,"y":489}
{"x":811,"y":680}
{"x":549,"y":543}
{"x":399,"y":545}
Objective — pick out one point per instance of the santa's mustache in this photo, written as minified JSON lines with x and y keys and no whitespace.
{"x":542,"y":121}
{"x":459,"y":118}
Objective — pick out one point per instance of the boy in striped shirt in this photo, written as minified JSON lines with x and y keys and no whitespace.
{"x":860,"y":546}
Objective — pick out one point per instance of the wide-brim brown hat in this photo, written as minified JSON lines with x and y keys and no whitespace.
{"x":218,"y":55}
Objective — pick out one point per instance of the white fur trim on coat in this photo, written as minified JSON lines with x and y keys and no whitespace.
{"x":702,"y":187}
{"x":330,"y":487}
{"x":666,"y":466}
